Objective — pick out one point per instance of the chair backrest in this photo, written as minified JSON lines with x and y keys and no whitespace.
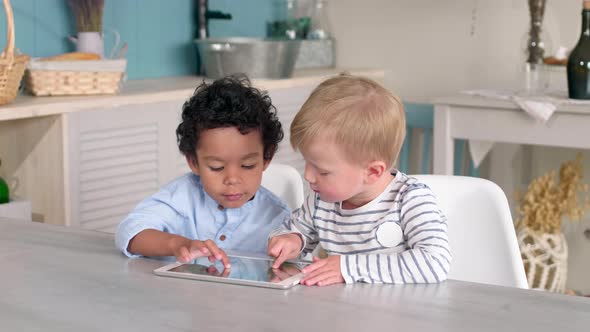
{"x":481,"y":230}
{"x":285,"y":182}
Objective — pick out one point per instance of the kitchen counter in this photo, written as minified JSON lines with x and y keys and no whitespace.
{"x":156,"y":90}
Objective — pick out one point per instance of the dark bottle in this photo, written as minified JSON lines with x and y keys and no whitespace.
{"x":578,"y":63}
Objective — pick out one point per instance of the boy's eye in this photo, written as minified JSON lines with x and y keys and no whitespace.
{"x":324,"y":173}
{"x":216,"y":169}
{"x":249,"y":166}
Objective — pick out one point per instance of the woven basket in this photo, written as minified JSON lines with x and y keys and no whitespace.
{"x":11,"y":66}
{"x":61,"y":83}
{"x":545,"y":259}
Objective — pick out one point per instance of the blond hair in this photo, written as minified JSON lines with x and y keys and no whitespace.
{"x":358,"y":114}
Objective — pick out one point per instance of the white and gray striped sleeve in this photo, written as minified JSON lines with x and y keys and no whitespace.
{"x":427,"y":258}
{"x":301,"y":222}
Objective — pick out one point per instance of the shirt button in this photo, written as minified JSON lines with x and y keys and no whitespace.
{"x":222,"y":237}
{"x":219,"y":207}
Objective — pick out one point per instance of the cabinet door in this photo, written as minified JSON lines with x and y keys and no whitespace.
{"x":116,"y":158}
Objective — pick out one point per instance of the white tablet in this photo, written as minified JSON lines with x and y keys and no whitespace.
{"x":250,"y":271}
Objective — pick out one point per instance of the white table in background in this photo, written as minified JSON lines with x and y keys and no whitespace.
{"x":56,"y":278}
{"x":488,"y":119}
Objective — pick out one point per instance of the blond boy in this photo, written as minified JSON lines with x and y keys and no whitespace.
{"x":376,"y":224}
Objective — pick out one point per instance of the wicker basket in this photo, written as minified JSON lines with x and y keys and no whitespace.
{"x":83,"y":77}
{"x":11,"y":66}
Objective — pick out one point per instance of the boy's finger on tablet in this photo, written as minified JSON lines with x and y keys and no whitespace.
{"x":220,"y":255}
{"x":280,"y":259}
{"x":213,"y":249}
{"x":225,"y":260}
{"x":217,"y":253}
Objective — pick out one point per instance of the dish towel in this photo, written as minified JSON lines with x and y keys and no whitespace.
{"x":541,"y":108}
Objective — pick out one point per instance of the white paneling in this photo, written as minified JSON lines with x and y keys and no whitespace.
{"x":119,"y":157}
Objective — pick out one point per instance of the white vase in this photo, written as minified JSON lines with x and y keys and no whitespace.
{"x":545,"y":259}
{"x":90,"y":42}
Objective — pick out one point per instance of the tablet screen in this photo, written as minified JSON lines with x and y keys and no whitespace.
{"x":241,"y":268}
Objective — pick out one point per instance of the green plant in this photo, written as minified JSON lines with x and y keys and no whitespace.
{"x":88,"y":14}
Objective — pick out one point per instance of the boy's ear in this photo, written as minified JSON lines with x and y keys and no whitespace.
{"x":374,"y":171}
{"x":192,"y":163}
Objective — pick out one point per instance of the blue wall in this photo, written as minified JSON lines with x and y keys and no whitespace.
{"x":159,"y":32}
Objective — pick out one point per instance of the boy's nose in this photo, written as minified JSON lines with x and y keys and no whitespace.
{"x":232,"y":177}
{"x":231,"y":180}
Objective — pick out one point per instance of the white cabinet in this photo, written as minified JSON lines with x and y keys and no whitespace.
{"x":118,"y":156}
{"x":115,"y":158}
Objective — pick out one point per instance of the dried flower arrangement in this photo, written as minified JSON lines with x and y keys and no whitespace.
{"x":545,"y":202}
{"x":88,"y":14}
{"x":542,"y":244}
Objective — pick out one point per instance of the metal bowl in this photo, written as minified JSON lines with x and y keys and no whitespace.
{"x":255,"y":57}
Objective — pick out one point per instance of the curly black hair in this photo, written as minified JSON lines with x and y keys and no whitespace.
{"x":228,"y":102}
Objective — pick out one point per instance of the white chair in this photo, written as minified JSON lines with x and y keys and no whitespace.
{"x":481,"y":231}
{"x":285,"y":182}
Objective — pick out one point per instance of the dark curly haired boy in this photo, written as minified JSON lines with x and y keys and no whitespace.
{"x":228,"y":134}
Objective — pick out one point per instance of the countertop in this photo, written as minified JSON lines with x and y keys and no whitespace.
{"x":57,"y":278}
{"x":156,"y":90}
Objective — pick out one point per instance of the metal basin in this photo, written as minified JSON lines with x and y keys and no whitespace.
{"x":255,"y":57}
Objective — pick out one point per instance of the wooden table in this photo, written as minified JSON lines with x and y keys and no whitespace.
{"x":56,"y":278}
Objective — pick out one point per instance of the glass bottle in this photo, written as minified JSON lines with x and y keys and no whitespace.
{"x":578,"y":71}
{"x":320,"y":24}
{"x":536,"y":47}
{"x":285,"y":23}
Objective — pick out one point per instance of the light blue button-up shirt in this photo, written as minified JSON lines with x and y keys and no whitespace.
{"x":183,"y":207}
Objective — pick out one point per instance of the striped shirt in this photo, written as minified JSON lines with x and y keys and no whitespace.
{"x":399,"y":237}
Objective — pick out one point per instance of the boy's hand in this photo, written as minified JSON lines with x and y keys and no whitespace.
{"x":186,"y":251}
{"x":323,"y":272}
{"x":284,"y":247}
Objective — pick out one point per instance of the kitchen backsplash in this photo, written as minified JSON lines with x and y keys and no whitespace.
{"x":159,"y":33}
